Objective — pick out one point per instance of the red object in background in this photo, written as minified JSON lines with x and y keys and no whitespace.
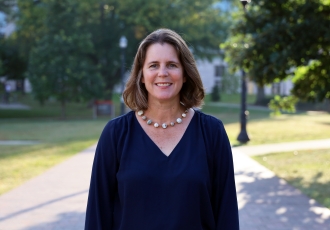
{"x":103,"y":102}
{"x":103,"y":107}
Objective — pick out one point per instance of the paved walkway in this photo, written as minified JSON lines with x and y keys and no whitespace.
{"x":57,"y":198}
{"x":282,"y":147}
{"x":18,"y":142}
{"x":13,"y":106}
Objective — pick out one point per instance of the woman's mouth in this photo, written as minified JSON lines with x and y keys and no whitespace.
{"x":163,"y":84}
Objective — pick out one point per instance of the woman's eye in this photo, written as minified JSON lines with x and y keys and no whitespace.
{"x":153,"y":66}
{"x":172,"y":65}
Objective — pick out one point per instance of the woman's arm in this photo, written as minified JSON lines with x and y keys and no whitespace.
{"x":224,"y":190}
{"x":103,"y":186}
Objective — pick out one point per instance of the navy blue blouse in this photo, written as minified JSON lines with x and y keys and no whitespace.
{"x":135,"y":186}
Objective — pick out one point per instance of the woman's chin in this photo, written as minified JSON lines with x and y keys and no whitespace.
{"x":163,"y":98}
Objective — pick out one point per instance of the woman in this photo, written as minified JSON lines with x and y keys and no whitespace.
{"x":163,"y":165}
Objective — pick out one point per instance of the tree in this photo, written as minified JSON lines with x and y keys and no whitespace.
{"x":276,"y":39}
{"x":6,"y":5}
{"x":12,"y":64}
{"x":312,"y":82}
{"x":209,"y":22}
{"x":59,"y":64}
{"x":112,"y":19}
{"x":107,"y":20}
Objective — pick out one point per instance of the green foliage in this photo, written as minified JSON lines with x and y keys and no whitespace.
{"x":59,"y":64}
{"x":12,"y":64}
{"x":209,"y":23}
{"x":312,"y":82}
{"x":215,"y":94}
{"x":273,"y":38}
{"x":230,"y":83}
{"x":285,"y":104}
{"x":6,"y":5}
{"x":106,"y":21}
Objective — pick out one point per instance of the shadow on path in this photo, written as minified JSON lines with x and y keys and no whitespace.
{"x":64,"y":221}
{"x":41,"y":205}
{"x":267,"y":202}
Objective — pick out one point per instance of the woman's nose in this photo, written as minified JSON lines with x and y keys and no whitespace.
{"x":163,"y":71}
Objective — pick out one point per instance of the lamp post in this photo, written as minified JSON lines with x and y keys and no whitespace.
{"x":243,"y":136}
{"x":122,"y":45}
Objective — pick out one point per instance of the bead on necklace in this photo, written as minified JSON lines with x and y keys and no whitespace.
{"x":164,"y":125}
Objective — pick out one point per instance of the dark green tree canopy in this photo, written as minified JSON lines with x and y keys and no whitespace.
{"x":275,"y":38}
{"x":6,"y":5}
{"x":201,"y":23}
{"x":59,"y":65}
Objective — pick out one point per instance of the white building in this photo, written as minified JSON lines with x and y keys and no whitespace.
{"x":213,"y":72}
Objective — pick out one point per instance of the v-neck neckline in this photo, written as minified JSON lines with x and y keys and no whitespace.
{"x":176,"y":146}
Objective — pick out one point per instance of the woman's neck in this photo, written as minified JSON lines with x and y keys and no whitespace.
{"x":164,"y":112}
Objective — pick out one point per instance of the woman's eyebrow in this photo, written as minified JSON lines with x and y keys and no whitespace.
{"x":152,"y":62}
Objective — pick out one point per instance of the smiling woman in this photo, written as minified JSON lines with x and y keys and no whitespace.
{"x":162,"y":74}
{"x":177,"y":175}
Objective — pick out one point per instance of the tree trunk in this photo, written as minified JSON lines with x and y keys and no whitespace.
{"x":260,"y":100}
{"x":63,"y":109}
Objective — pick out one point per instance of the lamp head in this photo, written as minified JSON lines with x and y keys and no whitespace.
{"x":245,"y":2}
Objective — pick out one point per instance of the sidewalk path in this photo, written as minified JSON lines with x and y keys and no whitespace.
{"x":57,"y":199}
{"x":267,"y":202}
{"x":13,"y":106}
{"x":284,"y":147}
{"x":54,"y":200}
{"x":18,"y":142}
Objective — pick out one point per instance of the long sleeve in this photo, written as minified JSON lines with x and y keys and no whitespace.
{"x":103,"y":186}
{"x":224,"y":200}
{"x":226,"y":210}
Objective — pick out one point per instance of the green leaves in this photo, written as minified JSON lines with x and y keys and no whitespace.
{"x":200,"y":23}
{"x":282,"y":36}
{"x":285,"y":104}
{"x":96,"y":26}
{"x":312,"y":82}
{"x":72,"y":49}
{"x":59,"y":65}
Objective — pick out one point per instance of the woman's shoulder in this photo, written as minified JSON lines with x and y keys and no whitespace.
{"x":208,"y":119}
{"x":120,"y":123}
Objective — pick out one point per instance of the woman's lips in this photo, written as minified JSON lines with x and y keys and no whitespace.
{"x":163,"y":84}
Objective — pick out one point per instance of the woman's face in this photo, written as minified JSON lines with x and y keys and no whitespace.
{"x":162,"y":73}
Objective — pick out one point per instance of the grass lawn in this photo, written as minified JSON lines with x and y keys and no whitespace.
{"x":286,"y":128}
{"x":308,"y":171}
{"x":59,"y":140}
{"x":232,"y":98}
{"x":263,"y":129}
{"x":51,"y":109}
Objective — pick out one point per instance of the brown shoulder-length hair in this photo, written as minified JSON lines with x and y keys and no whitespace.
{"x":192,"y":92}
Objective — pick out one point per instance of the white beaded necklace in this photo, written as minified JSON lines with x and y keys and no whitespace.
{"x":164,"y":125}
